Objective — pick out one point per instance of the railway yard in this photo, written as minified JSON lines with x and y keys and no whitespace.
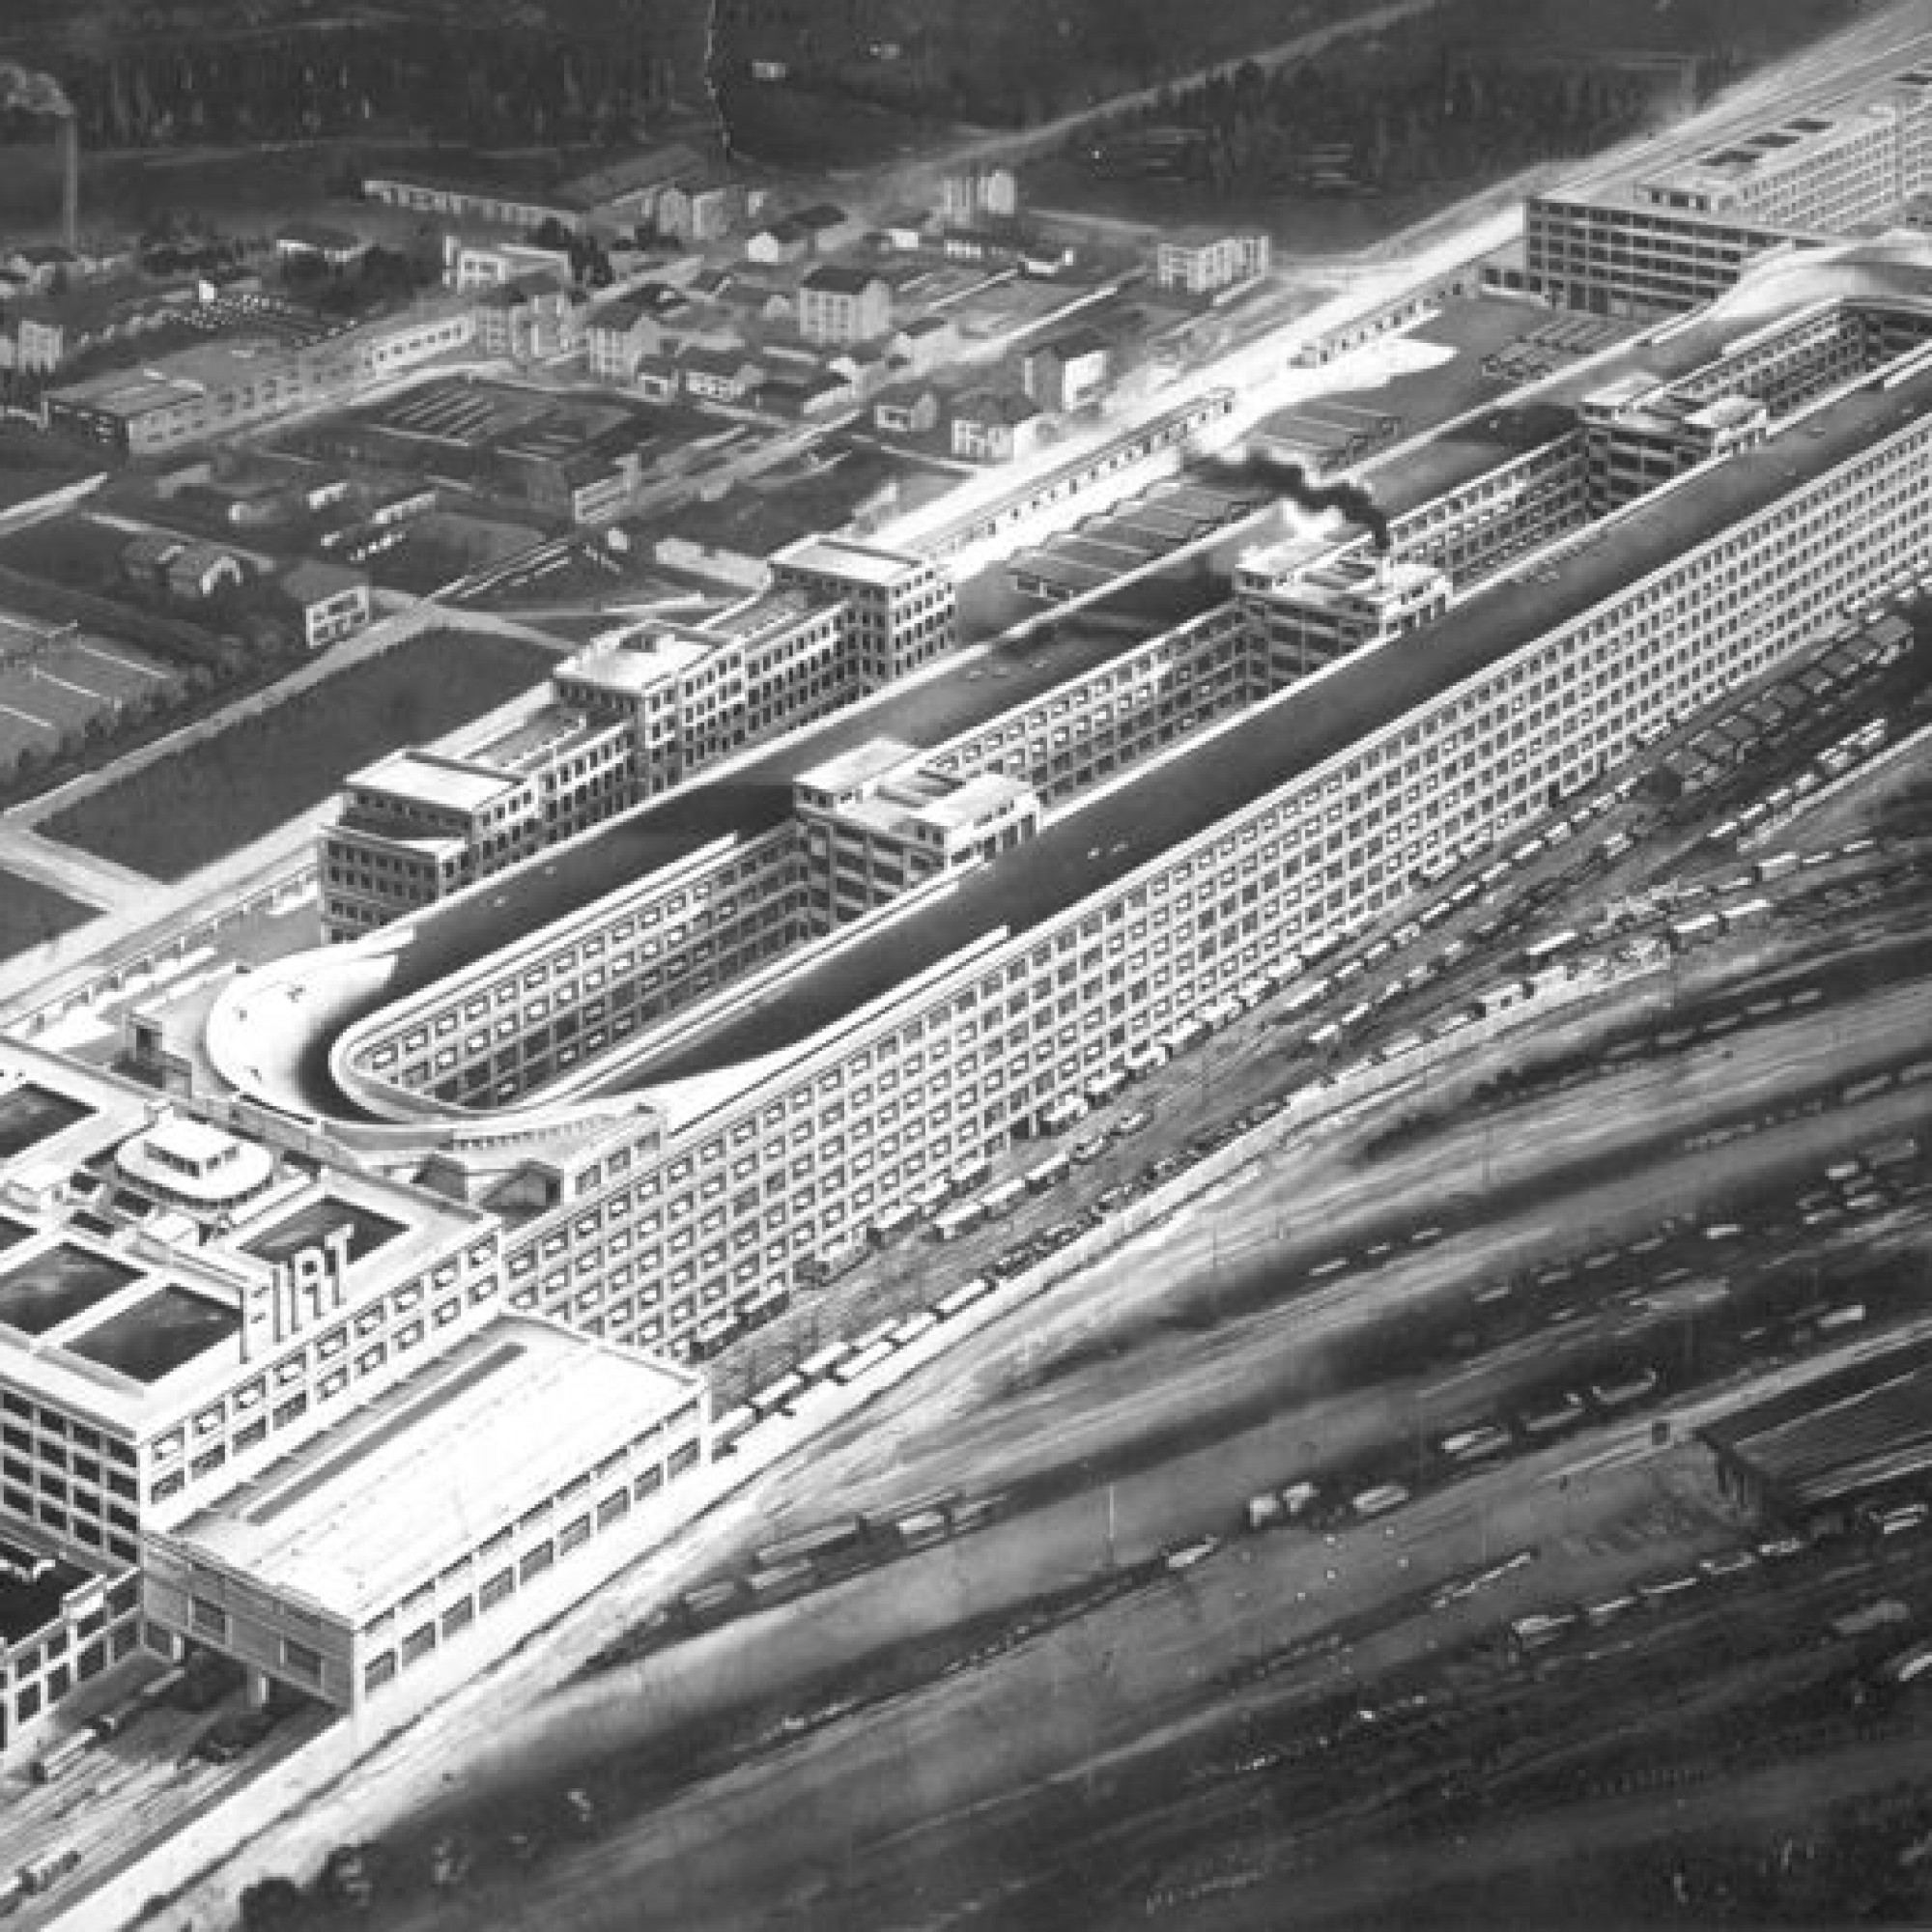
{"x":1321,"y":1433}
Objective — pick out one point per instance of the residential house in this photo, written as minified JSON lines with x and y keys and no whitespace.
{"x":180,"y":567}
{"x":530,"y":318}
{"x":829,"y":226}
{"x":864,"y":371}
{"x":1206,"y":267}
{"x":996,"y":426}
{"x":144,"y":559}
{"x":777,"y":243}
{"x":803,"y":398}
{"x":904,"y":229}
{"x":1066,"y":371}
{"x":658,"y":379}
{"x":199,"y":570}
{"x":837,"y":305}
{"x":695,"y":213}
{"x":46,"y":265}
{"x":978,"y":193}
{"x":330,"y":603}
{"x":225,"y":281}
{"x":719,"y":375}
{"x":924,"y":343}
{"x":912,"y":409}
{"x":618,"y":337}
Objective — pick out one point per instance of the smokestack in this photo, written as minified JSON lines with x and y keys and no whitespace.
{"x":1351,"y":498}
{"x":67,"y":137}
{"x":26,"y":90}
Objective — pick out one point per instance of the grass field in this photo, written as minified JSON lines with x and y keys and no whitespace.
{"x":211,"y":798}
{"x":31,"y":913}
{"x":30,"y":465}
{"x":54,"y":680}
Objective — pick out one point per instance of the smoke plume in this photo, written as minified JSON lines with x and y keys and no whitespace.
{"x":1351,"y":498}
{"x":24,"y":90}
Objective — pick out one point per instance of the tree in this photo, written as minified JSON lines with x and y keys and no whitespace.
{"x":270,"y":1902}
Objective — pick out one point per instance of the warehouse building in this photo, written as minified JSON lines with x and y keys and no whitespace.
{"x":1858,"y":1439}
{"x":432,"y":1517}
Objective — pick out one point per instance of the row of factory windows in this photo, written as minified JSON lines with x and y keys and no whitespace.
{"x":1556,"y":703}
{"x":36,"y":1676}
{"x":1663,"y":669}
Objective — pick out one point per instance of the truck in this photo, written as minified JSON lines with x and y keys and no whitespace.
{"x":1048,"y":1173}
{"x":950,"y":1223}
{"x":1003,"y":1197}
{"x":1475,"y":1445}
{"x":963,"y":1298}
{"x":1622,"y":1392}
{"x":1541,"y":1627}
{"x":1378,"y":1500}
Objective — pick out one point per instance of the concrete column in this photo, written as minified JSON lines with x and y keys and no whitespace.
{"x":259,"y":1686}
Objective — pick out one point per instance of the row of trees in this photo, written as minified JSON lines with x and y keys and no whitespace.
{"x":1398,"y":126}
{"x":594,"y":80}
{"x":1000,"y":63}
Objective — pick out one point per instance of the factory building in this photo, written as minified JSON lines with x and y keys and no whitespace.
{"x":715,"y":1152}
{"x":635,"y":714}
{"x":199,"y":1327}
{"x":1655,"y":243}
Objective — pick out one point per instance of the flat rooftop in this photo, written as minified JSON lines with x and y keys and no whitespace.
{"x":638,"y":662}
{"x":445,"y":783}
{"x":29,"y":1608}
{"x":857,"y":562}
{"x":1860,"y":1429}
{"x":159,"y":1333}
{"x":50,"y":1287}
{"x":1284,"y":739}
{"x":750,"y":800}
{"x":973,"y":688}
{"x":360,"y":1515}
{"x":30,"y":1114}
{"x":184,"y":372}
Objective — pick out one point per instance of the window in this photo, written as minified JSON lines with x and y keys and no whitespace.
{"x":302,"y":1658}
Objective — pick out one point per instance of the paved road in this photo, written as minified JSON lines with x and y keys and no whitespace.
{"x":81,"y":875}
